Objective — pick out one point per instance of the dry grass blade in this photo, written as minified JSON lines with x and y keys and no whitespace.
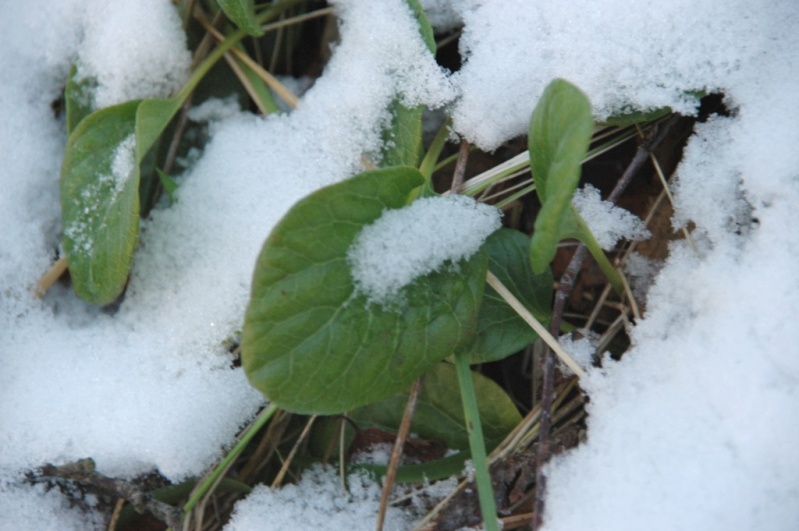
{"x":50,"y":277}
{"x":271,"y":81}
{"x":540,"y":329}
{"x":396,"y":452}
{"x":287,"y":463}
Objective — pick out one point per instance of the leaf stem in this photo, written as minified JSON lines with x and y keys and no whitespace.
{"x":485,"y":491}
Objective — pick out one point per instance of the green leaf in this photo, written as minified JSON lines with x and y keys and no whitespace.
{"x":560,"y":132}
{"x":242,"y":13}
{"x":169,"y":185}
{"x":439,"y":410}
{"x":310,"y":343}
{"x":100,"y":202}
{"x":78,"y":98}
{"x":500,"y":330}
{"x":152,"y":117}
{"x":443,"y":468}
{"x":100,"y":179}
{"x":402,"y":139}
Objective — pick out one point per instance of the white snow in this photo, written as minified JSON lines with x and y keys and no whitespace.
{"x":317,"y":501}
{"x":608,"y":223}
{"x":132,"y":50}
{"x":694,"y":429}
{"x":406,"y":243}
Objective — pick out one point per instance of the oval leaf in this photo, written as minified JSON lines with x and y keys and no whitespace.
{"x":439,"y":410}
{"x":560,"y":132}
{"x":500,"y":330}
{"x":100,"y":202}
{"x":309,"y":343}
{"x":242,"y":14}
{"x":100,"y":179}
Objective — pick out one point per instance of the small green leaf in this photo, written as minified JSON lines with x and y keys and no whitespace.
{"x":78,"y":98}
{"x":310,"y":343}
{"x":100,"y":179}
{"x":242,"y":14}
{"x":169,"y":185}
{"x":439,"y":410}
{"x":100,"y":202}
{"x":500,"y":330}
{"x":402,"y":139}
{"x":443,"y":468}
{"x":560,"y":132}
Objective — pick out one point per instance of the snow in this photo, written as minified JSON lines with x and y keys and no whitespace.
{"x":318,"y":501}
{"x":608,"y":223}
{"x":132,"y":50}
{"x":421,"y":238}
{"x":695,"y":427}
{"x":26,"y":507}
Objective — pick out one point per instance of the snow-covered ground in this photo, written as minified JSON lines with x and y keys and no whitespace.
{"x":695,"y":429}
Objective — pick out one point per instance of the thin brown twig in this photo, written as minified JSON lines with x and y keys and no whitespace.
{"x":460,"y":168}
{"x":396,"y":452}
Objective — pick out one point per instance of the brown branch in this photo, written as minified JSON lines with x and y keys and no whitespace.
{"x":460,"y":168}
{"x":83,"y":471}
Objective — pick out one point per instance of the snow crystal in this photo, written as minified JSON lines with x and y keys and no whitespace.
{"x":580,"y":349}
{"x":133,"y":50}
{"x":124,"y":162}
{"x":407,"y":243}
{"x":215,"y":109}
{"x":641,"y":272}
{"x":318,"y":501}
{"x":42,"y":509}
{"x":607,"y":222}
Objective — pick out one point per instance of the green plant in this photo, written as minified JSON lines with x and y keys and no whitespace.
{"x":313,"y":344}
{"x":102,"y":170}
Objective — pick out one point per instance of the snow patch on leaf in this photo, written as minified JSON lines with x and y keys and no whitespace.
{"x":398,"y":248}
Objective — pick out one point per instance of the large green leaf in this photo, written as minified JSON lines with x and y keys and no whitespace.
{"x":100,"y":179}
{"x":242,"y":13}
{"x":500,"y":330}
{"x":310,"y":343}
{"x":439,"y":410}
{"x":560,"y":132}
